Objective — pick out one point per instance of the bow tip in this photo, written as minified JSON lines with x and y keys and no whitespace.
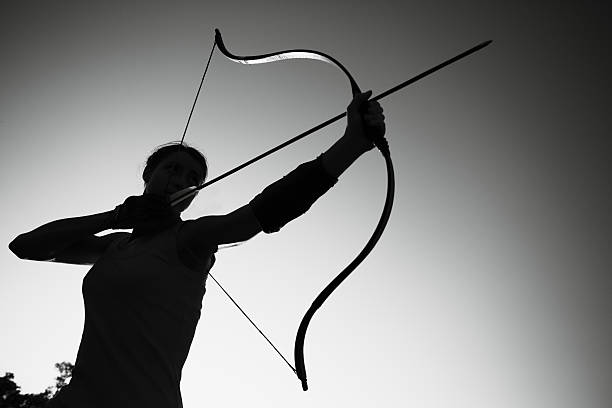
{"x":304,"y":385}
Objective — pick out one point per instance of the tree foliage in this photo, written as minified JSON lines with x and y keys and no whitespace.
{"x":11,"y":396}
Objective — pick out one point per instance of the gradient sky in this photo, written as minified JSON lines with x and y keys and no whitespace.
{"x":491,"y":285}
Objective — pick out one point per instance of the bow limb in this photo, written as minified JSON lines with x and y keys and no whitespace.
{"x":333,"y":285}
{"x":285,"y":55}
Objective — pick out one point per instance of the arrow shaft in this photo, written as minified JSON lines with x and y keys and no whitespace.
{"x":334,"y":119}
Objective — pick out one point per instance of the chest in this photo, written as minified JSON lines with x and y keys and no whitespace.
{"x":145,"y":269}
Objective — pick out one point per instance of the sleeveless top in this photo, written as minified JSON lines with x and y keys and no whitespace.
{"x":142,"y":305}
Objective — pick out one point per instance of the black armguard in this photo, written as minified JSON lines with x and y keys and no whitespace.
{"x":291,"y":196}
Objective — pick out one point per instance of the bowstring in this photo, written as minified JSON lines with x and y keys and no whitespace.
{"x":199,"y":89}
{"x":253,"y":323}
{"x":209,"y":274}
{"x":212,"y":50}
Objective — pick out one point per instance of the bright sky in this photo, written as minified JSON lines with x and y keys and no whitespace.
{"x":490,"y":286}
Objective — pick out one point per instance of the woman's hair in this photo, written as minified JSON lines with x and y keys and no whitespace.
{"x":165,"y":150}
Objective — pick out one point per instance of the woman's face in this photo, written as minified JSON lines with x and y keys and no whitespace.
{"x":176,"y":172}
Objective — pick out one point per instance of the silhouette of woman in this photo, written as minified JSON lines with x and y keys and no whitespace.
{"x":143,"y":294}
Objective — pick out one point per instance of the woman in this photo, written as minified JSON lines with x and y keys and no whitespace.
{"x":143,"y":294}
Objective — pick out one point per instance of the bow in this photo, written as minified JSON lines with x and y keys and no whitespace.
{"x":380,"y":143}
{"x":383,"y":146}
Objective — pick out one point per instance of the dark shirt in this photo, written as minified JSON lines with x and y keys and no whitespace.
{"x":142,"y":305}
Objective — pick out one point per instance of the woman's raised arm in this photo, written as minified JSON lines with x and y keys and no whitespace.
{"x":47,"y":241}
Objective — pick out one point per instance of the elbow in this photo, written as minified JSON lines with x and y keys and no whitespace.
{"x":21,"y":250}
{"x":16,"y":247}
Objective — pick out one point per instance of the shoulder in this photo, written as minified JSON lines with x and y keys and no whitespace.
{"x":194,"y":234}
{"x":202,"y":236}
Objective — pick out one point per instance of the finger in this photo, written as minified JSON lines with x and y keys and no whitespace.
{"x":360,"y":99}
{"x":374,"y":116}
{"x":154,"y":198}
{"x":375,"y":124}
{"x":154,"y":205}
{"x":365,"y":95}
{"x":374,"y":107}
{"x":150,"y":209}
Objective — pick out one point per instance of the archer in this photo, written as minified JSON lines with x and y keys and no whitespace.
{"x":143,"y":294}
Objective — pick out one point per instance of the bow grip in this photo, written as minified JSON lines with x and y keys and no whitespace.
{"x":380,"y":142}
